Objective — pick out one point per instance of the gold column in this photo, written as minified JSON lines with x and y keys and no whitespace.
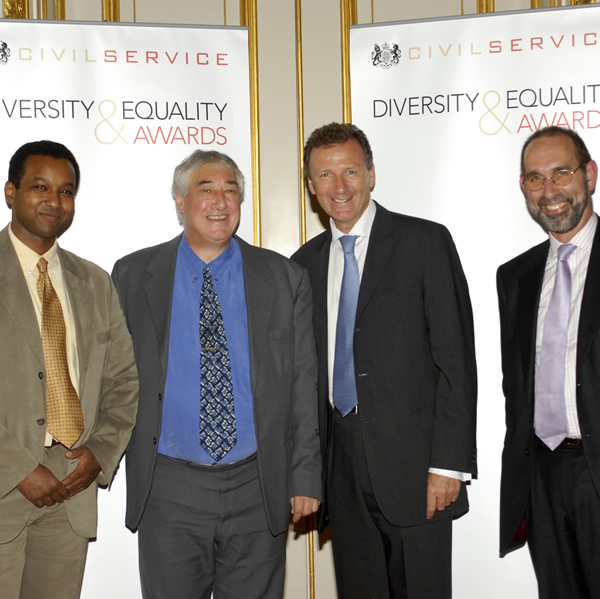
{"x":349,"y":17}
{"x":300,"y":88}
{"x":16,"y":9}
{"x":111,"y":10}
{"x":309,"y":521}
{"x":249,"y":18}
{"x":485,"y":6}
{"x":61,"y":14}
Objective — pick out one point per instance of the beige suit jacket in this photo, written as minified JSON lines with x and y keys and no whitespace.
{"x":108,"y":385}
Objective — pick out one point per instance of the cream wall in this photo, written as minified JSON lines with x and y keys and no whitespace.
{"x":279,"y":155}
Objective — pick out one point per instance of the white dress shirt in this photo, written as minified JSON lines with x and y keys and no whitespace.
{"x":578,"y":263}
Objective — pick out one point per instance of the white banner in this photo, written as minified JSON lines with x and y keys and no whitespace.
{"x":447,"y":105}
{"x":130,"y":102}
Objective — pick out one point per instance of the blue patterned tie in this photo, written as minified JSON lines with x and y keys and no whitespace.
{"x":344,"y":383}
{"x":217,"y":415}
{"x":550,"y":411}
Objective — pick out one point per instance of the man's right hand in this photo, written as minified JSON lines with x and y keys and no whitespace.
{"x":42,"y":488}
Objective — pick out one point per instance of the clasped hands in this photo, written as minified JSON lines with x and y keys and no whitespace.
{"x":42,"y":488}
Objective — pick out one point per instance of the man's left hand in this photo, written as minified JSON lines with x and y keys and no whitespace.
{"x":86,"y":471}
{"x":441,"y":492}
{"x":303,"y":506}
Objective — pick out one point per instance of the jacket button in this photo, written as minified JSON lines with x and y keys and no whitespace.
{"x":527,"y":452}
{"x":317,"y":386}
{"x":160,"y":397}
{"x":41,"y":375}
{"x":40,"y":421}
{"x":154,"y":440}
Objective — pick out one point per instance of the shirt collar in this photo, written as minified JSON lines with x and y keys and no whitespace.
{"x":584,"y":239}
{"x":220,"y":262}
{"x":30,"y":258}
{"x":362,"y":227}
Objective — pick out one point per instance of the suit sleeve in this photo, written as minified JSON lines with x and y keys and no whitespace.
{"x":118,"y":395}
{"x":305,"y":466}
{"x":450,"y":321}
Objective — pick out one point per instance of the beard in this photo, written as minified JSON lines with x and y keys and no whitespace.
{"x":560,"y":223}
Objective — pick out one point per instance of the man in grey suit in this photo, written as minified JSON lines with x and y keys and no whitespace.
{"x":226,"y":436}
{"x":48,"y":475}
{"x":397,"y":379}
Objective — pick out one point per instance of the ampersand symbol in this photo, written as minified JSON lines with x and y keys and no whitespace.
{"x":106,"y":119}
{"x":490,"y":111}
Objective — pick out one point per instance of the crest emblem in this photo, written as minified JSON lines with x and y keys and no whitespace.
{"x":385,"y":56}
{"x":4,"y":52}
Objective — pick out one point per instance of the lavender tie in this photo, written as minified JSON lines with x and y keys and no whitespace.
{"x":550,"y":411}
{"x":344,"y":384}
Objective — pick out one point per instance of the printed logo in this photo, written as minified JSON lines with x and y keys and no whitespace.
{"x":385,"y":56}
{"x":4,"y":52}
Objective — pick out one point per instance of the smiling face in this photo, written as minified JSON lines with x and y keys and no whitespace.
{"x":561,"y":211}
{"x":210,"y":210}
{"x":340,"y":179}
{"x":44,"y":204}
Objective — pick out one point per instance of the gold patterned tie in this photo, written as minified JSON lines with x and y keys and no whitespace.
{"x":65,"y":420}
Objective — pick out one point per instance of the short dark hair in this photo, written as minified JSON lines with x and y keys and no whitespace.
{"x":583,"y":154}
{"x":333,"y":134}
{"x":53,"y":149}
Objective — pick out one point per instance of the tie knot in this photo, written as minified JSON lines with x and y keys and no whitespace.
{"x":565,"y":250}
{"x":42,"y":266}
{"x":207,"y":274}
{"x":348,"y":242}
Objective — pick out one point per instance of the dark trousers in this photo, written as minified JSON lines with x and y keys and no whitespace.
{"x":373,"y":558}
{"x":204,"y":531}
{"x":563,"y":524}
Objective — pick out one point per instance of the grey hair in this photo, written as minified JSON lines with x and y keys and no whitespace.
{"x":198,"y":158}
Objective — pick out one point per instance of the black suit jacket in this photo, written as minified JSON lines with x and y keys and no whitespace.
{"x":282,"y":372}
{"x":414,"y":361}
{"x":519,"y":288}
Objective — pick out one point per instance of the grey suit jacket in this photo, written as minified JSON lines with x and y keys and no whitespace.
{"x":282,"y":367}
{"x":414,"y":359}
{"x":519,"y":288}
{"x":107,"y":380}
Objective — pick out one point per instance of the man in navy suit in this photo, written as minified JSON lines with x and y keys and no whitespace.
{"x":395,"y":465}
{"x":550,"y":491}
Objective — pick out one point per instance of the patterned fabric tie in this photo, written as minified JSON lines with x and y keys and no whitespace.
{"x":550,"y":411}
{"x":217,"y":415}
{"x":344,"y":383}
{"x":63,"y":409}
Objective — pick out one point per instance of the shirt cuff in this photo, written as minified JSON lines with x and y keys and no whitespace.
{"x":462,"y":476}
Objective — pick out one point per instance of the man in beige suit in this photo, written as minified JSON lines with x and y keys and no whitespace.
{"x":48,"y":484}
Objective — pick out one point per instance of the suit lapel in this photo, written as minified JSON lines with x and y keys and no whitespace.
{"x":589,"y":319}
{"x":159,"y":294}
{"x":16,"y":298}
{"x":381,"y":246}
{"x":530,"y":288}
{"x":260,"y":295}
{"x":81,"y":298}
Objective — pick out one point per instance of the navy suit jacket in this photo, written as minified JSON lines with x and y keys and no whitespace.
{"x":414,"y":360}
{"x":519,"y":288}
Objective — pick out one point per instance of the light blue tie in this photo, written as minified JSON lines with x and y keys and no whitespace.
{"x":550,"y":411}
{"x":344,"y":383}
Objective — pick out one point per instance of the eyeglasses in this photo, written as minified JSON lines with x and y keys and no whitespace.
{"x":560,"y":178}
